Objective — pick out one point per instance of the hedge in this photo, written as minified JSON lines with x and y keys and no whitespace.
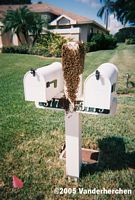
{"x":16,"y":49}
{"x":130,"y":41}
{"x":125,"y":33}
{"x":101,"y":42}
{"x":47,"y":45}
{"x":51,"y":44}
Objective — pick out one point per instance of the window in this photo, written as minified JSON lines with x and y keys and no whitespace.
{"x":63,"y":21}
{"x":113,"y":88}
{"x":91,"y":31}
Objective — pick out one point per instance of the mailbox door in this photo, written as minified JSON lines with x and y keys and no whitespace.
{"x":45,"y":84}
{"x":34,"y":88}
{"x":97,"y":93}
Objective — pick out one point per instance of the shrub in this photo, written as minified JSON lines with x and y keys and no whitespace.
{"x":125,"y":33}
{"x":51,"y":43}
{"x":38,"y":50}
{"x":90,"y":46}
{"x":130,"y":41}
{"x":101,"y":42}
{"x":16,"y":49}
{"x":47,"y":45}
{"x":111,"y":42}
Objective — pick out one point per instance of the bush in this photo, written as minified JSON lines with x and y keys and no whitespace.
{"x":130,"y":41}
{"x":125,"y":33}
{"x":38,"y":50}
{"x":50,"y":44}
{"x":47,"y":45}
{"x":101,"y":42}
{"x":90,"y":46}
{"x":16,"y":49}
{"x":111,"y":42}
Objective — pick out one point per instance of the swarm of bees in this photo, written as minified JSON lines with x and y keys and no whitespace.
{"x":73,"y":64}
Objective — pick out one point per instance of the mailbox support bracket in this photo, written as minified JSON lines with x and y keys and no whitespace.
{"x":73,"y":144}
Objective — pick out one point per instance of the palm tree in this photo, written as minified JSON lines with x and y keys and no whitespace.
{"x":23,"y":22}
{"x":16,"y":22}
{"x":106,"y":10}
{"x":125,"y":11}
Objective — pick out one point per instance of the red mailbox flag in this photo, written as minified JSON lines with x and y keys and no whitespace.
{"x":17,"y":183}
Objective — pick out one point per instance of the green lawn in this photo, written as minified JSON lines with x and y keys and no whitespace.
{"x":31,"y":138}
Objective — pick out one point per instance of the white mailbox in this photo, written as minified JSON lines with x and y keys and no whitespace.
{"x":43,"y":84}
{"x":100,"y":89}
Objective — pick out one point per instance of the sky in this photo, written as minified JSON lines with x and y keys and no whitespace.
{"x":87,"y":8}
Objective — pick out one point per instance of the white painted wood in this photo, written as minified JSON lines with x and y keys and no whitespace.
{"x":73,"y":144}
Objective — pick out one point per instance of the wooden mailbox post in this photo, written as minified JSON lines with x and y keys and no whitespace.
{"x":59,"y":86}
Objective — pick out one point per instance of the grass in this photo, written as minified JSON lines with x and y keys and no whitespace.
{"x":30,"y":138}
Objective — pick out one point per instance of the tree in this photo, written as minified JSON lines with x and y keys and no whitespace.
{"x":23,"y":22}
{"x":5,"y":2}
{"x":106,"y":10}
{"x":36,"y":27}
{"x":125,"y":11}
{"x":17,"y":21}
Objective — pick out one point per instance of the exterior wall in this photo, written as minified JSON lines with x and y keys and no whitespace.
{"x":73,"y":33}
{"x":84,"y":33}
{"x":87,"y":29}
{"x":1,"y":42}
{"x":15,"y":40}
{"x":97,"y":29}
{"x":6,"y":39}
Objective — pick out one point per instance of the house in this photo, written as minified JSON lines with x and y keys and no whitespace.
{"x":65,"y":23}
